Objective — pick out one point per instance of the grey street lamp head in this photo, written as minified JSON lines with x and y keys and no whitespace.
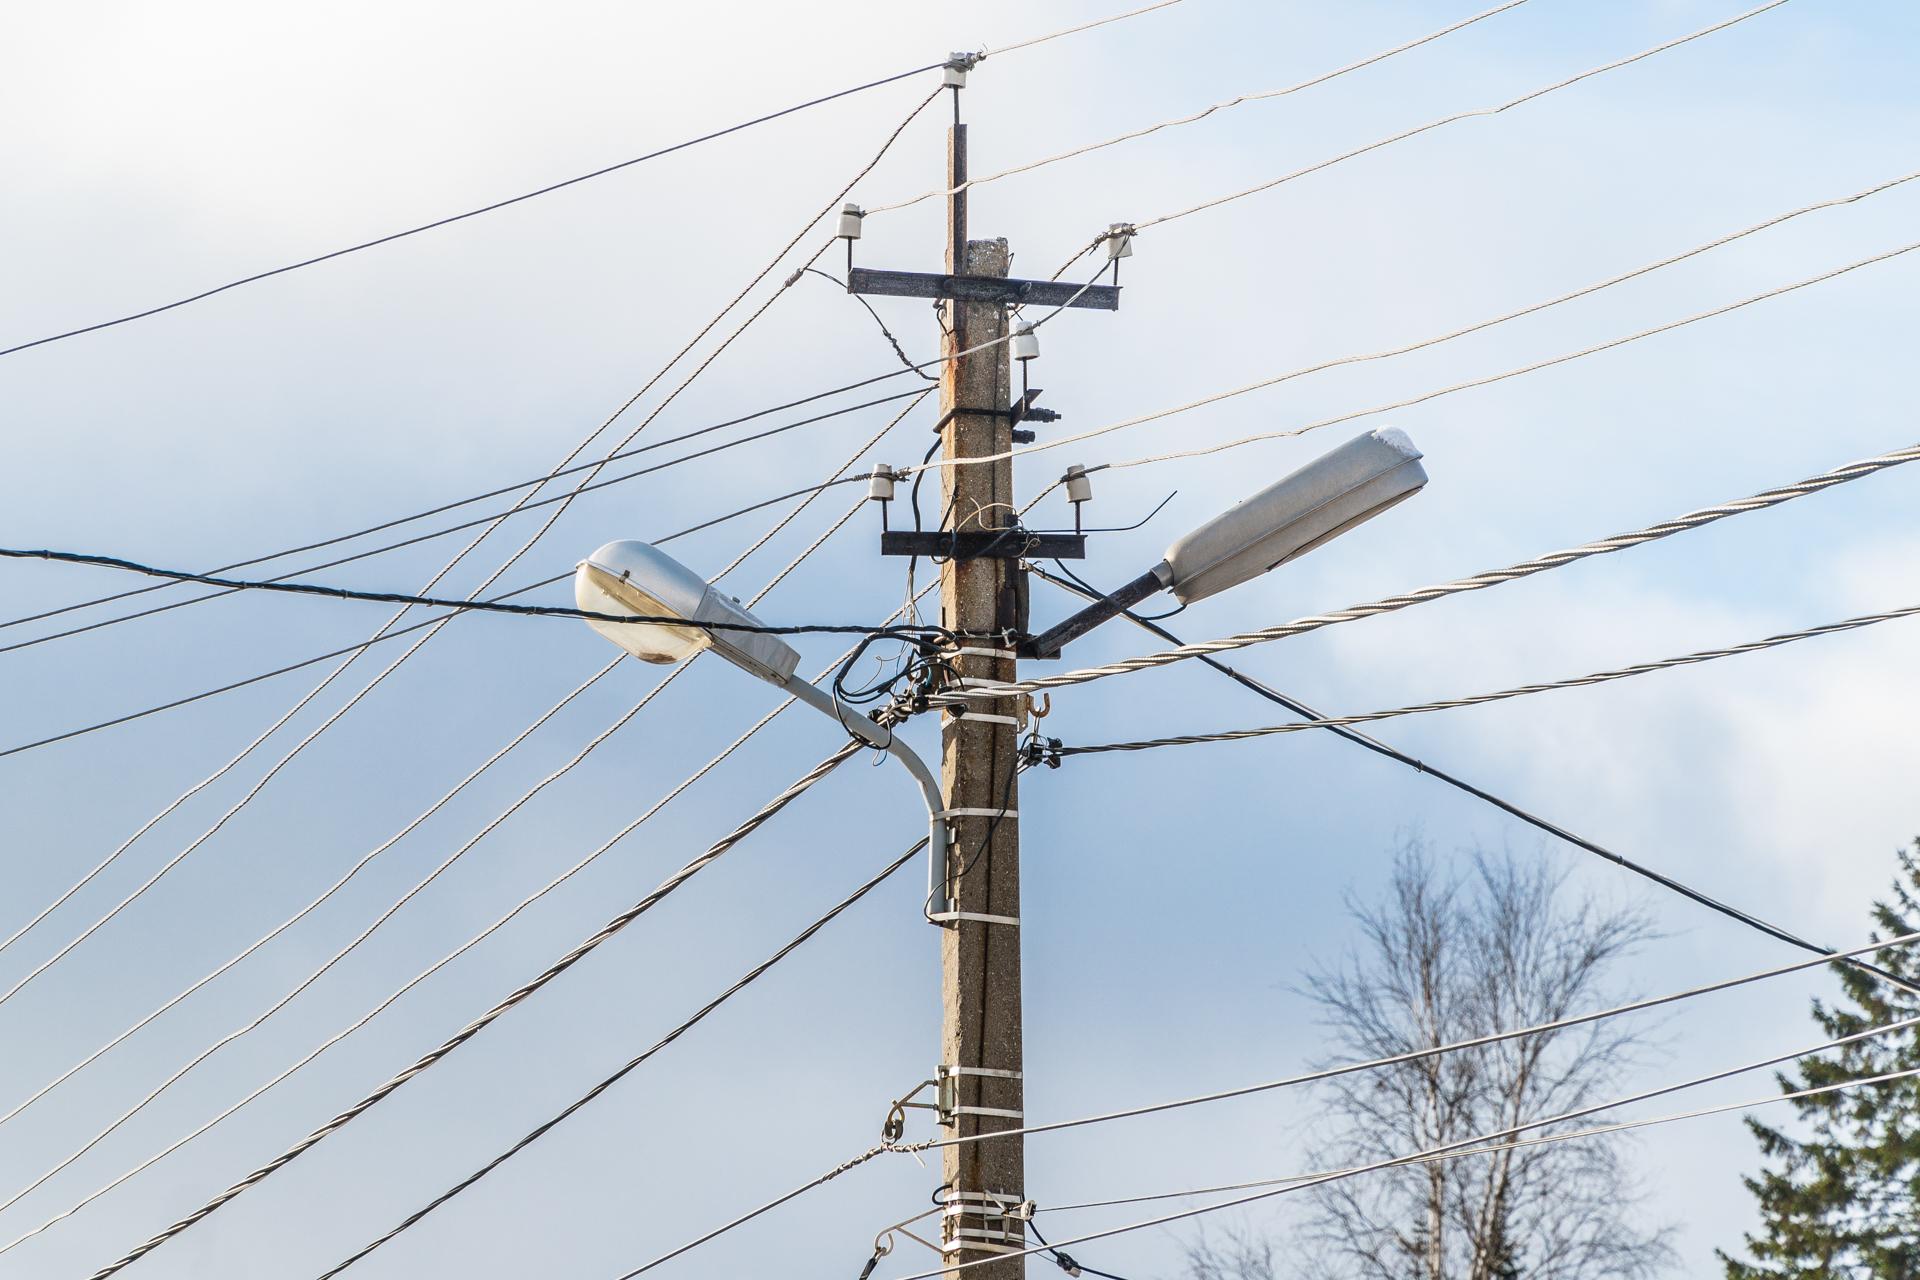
{"x":1290,"y":517}
{"x":637,"y":579}
{"x":1296,"y":513}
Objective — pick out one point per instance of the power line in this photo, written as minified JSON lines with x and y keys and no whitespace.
{"x":1425,"y":595}
{"x":609,"y":1081}
{"x":454,"y":603}
{"x":1031,"y":41}
{"x":1480,"y":793}
{"x":873,"y":1152}
{"x":500,"y":922}
{"x":1462,"y":115}
{"x":526,"y":502}
{"x":479,"y":1024}
{"x":1535,"y":367}
{"x":1481,"y":699}
{"x":1476,"y":327}
{"x":471,"y":213}
{"x":1430,"y":1157}
{"x":1434,"y":1051}
{"x":566,"y":182}
{"x":383,"y":636}
{"x":421,"y":884}
{"x":1324,"y":77}
{"x":1071,"y":1266}
{"x":1465,"y":1146}
{"x":821,"y":1180}
{"x":432,"y":628}
{"x":493,"y":517}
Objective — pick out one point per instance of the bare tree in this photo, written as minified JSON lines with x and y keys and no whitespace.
{"x":1447,"y":958}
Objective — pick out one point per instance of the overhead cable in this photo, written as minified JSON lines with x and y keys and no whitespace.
{"x":1434,"y":1051}
{"x":1322,"y":78}
{"x":471,"y":213}
{"x":1470,"y":384}
{"x":568,"y":468}
{"x":499,"y":922}
{"x":494,"y":517}
{"x":569,"y":182}
{"x":1481,"y":699}
{"x":527,"y":504}
{"x":1466,"y":1145}
{"x":1427,"y":768}
{"x":1426,"y":595}
{"x":454,"y":604}
{"x":389,"y":635}
{"x":1490,"y":1149}
{"x":479,"y":1024}
{"x":1508,"y":105}
{"x":432,"y":875}
{"x":993,"y":52}
{"x":615,"y":1077}
{"x":433,"y":627}
{"x":1478,"y":326}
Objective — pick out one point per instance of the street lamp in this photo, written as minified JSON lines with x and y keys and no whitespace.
{"x":634,"y":579}
{"x":1287,"y":519}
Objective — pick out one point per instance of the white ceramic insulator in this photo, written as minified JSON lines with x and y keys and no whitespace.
{"x":851,"y":218}
{"x":1079,"y":487}
{"x":880,"y":484}
{"x":1025,"y":343}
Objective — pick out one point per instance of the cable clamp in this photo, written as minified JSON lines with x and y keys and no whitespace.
{"x":961,"y":713}
{"x":1002,"y":1217}
{"x":979,"y":917}
{"x":947,"y":1079}
{"x":1038,"y":750}
{"x":984,"y":1243}
{"x":975,"y":651}
{"x":977,"y":813}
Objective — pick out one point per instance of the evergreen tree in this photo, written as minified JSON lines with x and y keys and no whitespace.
{"x":1843,"y":1201}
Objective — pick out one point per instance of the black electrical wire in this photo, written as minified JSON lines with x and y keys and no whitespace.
{"x":546,"y":1126}
{"x":342,"y":652}
{"x":1505,"y":806}
{"x":885,"y":332}
{"x":471,"y":213}
{"x":478,"y":520}
{"x":553,"y":475}
{"x":469,"y":606}
{"x":1066,"y":1262}
{"x":255,"y":679}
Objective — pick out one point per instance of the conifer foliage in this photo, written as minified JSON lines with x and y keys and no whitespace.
{"x":1841,"y":1201}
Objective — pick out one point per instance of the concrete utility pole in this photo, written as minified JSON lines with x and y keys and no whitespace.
{"x":980,"y":1038}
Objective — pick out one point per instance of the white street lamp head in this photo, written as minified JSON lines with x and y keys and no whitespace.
{"x":1295,"y":514}
{"x":635,"y":579}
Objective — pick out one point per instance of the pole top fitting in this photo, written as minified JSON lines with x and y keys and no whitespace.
{"x":954,"y":73}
